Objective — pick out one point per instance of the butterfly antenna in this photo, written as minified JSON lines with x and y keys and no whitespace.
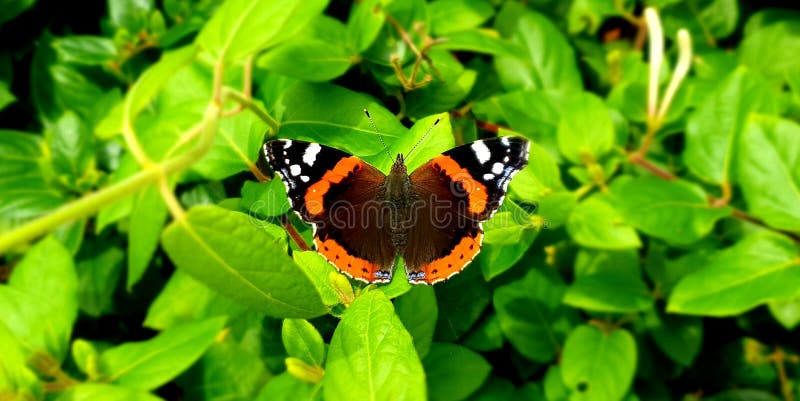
{"x":435,"y":123}
{"x":372,"y":123}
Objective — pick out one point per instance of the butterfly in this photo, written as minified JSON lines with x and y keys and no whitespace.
{"x":362,"y":218}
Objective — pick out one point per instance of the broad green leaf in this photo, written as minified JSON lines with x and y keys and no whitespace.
{"x":596,"y":224}
{"x":705,"y":20}
{"x":334,"y":116}
{"x":99,"y":268}
{"x":554,"y":387}
{"x":228,"y":370}
{"x":371,"y":345}
{"x":264,"y":198}
{"x":457,"y":15}
{"x":608,"y":282}
{"x":145,"y":89}
{"x":71,"y":146}
{"x":184,"y":299}
{"x":312,"y":60}
{"x":786,"y":312}
{"x":675,"y":211}
{"x":24,"y":193}
{"x":147,"y":219}
{"x":508,"y":235}
{"x":85,"y":49}
{"x":587,"y":348}
{"x":6,"y":97}
{"x":539,"y":178}
{"x":365,"y":23}
{"x":13,"y":8}
{"x":680,"y":337}
{"x":40,"y":302}
{"x":457,"y":313}
{"x":498,"y":389}
{"x":714,"y":129}
{"x":236,"y":145}
{"x":769,"y":170}
{"x":585,"y":131}
{"x":149,"y":364}
{"x":318,"y":270}
{"x":285,"y":387}
{"x":531,"y":316}
{"x":302,"y":340}
{"x":439,"y":139}
{"x":15,"y":375}
{"x":105,"y":392}
{"x":588,"y":15}
{"x":758,"y":269}
{"x":418,"y":311}
{"x":454,"y":372}
{"x":486,"y":41}
{"x":131,"y":15}
{"x":231,"y":255}
{"x":548,"y":61}
{"x":765,"y":49}
{"x":487,"y":335}
{"x":240,"y":28}
{"x":438,"y":97}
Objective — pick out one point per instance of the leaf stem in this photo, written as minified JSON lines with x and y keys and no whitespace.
{"x":247,"y":102}
{"x":293,"y":234}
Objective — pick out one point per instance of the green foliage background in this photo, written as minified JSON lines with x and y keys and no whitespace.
{"x":642,"y":254}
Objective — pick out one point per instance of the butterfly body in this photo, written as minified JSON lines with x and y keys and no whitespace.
{"x":363,"y":219}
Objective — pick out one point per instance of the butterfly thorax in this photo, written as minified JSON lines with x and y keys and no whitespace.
{"x":398,"y":198}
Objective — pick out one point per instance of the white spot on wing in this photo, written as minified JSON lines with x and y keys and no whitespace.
{"x":488,"y":176}
{"x":497,"y":168}
{"x":288,"y":144}
{"x":304,"y":178}
{"x":481,"y":151}
{"x":286,"y":161}
{"x":504,"y":141}
{"x":310,"y":155}
{"x":295,"y":169}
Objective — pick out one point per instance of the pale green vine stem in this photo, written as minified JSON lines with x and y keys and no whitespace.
{"x":93,"y":202}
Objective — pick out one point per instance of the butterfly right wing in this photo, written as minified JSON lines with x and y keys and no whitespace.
{"x":337,"y":193}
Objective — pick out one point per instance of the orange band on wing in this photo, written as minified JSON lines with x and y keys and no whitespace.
{"x":476,"y":191}
{"x":354,"y":267}
{"x":445,"y":267}
{"x":315,"y":194}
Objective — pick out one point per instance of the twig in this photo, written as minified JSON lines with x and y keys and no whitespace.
{"x":293,"y":234}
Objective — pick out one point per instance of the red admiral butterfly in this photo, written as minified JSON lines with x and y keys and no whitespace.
{"x":363,"y":218}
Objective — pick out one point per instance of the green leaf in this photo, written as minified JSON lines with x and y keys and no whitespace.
{"x":714,"y":129}
{"x":705,"y":21}
{"x":680,"y":337}
{"x":334,"y":116}
{"x":264,"y":198}
{"x":365,"y":23}
{"x":457,"y":15}
{"x":318,"y":270}
{"x":71,"y":145}
{"x":596,"y":224}
{"x":24,"y":193}
{"x":765,"y":49}
{"x":769,"y":170}
{"x":302,"y":340}
{"x":588,"y":15}
{"x":149,"y":364}
{"x":675,"y":211}
{"x":418,"y":311}
{"x":588,"y":348}
{"x":240,"y":28}
{"x":371,"y":344}
{"x":6,"y":97}
{"x":131,"y":15}
{"x":458,"y":313}
{"x":487,"y":335}
{"x":40,"y":302}
{"x":224,"y":250}
{"x":184,"y":299}
{"x":236,"y":146}
{"x":13,"y":8}
{"x":531,"y":316}
{"x":608,"y":282}
{"x":15,"y":375}
{"x":85,"y":49}
{"x":758,"y":269}
{"x":786,"y":312}
{"x":309,"y":59}
{"x":547,"y":62}
{"x":454,"y":372}
{"x":147,"y":219}
{"x":508,"y":235}
{"x":285,"y":387}
{"x":486,"y":41}
{"x":99,"y":268}
{"x":151,"y":82}
{"x":104,"y":392}
{"x":585,"y":131}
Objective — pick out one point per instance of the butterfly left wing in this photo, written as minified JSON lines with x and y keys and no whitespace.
{"x":336,"y":193}
{"x":456,"y":191}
